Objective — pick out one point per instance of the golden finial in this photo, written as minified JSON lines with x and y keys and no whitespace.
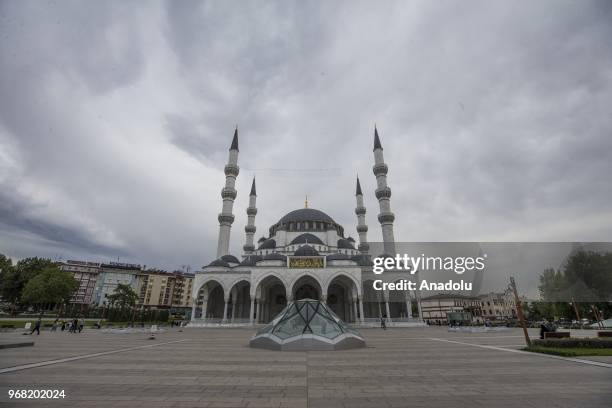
{"x":306,"y":202}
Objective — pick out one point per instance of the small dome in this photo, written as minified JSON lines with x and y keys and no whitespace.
{"x":251,"y":260}
{"x":307,"y":238}
{"x":351,"y":239}
{"x":275,"y":256}
{"x":230,"y":259}
{"x":268,"y":244}
{"x":362,"y":260}
{"x":338,"y":257}
{"x":261,"y":239}
{"x":219,"y":262}
{"x":345,"y":244}
{"x":306,"y":250}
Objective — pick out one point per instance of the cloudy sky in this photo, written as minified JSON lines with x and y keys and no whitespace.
{"x":116,"y":117}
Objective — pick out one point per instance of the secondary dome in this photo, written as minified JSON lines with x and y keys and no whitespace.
{"x":306,"y":214}
{"x":306,"y":250}
{"x":305,"y":325}
{"x":230,"y":259}
{"x":306,"y":238}
{"x":268,"y":244}
{"x":345,"y":244}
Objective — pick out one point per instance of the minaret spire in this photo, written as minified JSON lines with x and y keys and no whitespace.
{"x":377,"y":144}
{"x":306,"y":202}
{"x":383,"y":194}
{"x":228,"y":194}
{"x":250,"y":228}
{"x":362,"y":228}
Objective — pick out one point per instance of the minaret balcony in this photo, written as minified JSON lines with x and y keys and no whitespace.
{"x":232,"y":170}
{"x":384,"y":192}
{"x":380,"y":169}
{"x":251,"y":211}
{"x":360,"y":210}
{"x":362,"y":228}
{"x":386,"y":218}
{"x":228,"y":192}
{"x":226,"y":218}
{"x":363,"y":247}
{"x":250,"y":229}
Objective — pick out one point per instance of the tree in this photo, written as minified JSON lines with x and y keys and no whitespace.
{"x":586,"y":278}
{"x":15,"y":278}
{"x":51,"y":286}
{"x":124,"y":297}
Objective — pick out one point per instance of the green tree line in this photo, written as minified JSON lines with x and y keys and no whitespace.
{"x":584,"y":281}
{"x":35,"y":282}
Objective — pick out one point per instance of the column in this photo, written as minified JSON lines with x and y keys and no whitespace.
{"x":354,"y":310}
{"x":408,"y":304}
{"x":361,"y":309}
{"x":387,"y":309}
{"x":225,"y":304}
{"x":252,"y":310}
{"x":193,"y":309}
{"x":204,"y":307}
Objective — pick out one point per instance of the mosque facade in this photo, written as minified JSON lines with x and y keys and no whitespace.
{"x":304,"y":255}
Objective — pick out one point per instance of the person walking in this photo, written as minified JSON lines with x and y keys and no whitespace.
{"x":36,"y":327}
{"x":383,"y":324}
{"x":55,"y":324}
{"x":81,"y":324}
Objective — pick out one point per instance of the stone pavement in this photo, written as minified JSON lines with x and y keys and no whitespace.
{"x":416,"y":367}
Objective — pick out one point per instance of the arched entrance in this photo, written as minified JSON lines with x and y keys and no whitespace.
{"x":372,"y":299}
{"x":306,"y":287}
{"x":271,"y":299}
{"x":399,"y":304}
{"x":210,"y":302}
{"x":240,"y":302}
{"x":341,"y":298}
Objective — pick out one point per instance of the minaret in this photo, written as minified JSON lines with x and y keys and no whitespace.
{"x":250,"y":228}
{"x":383,"y":194}
{"x":228,"y":194}
{"x":362,"y":228}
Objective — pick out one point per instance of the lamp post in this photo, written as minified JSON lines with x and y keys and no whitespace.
{"x":573,"y":303}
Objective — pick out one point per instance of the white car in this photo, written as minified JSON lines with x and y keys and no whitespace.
{"x":606,"y":323}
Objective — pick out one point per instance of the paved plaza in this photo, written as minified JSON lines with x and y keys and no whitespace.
{"x":416,"y":367}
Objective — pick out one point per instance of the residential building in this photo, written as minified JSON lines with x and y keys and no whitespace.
{"x":111,"y":275}
{"x":437,"y":307}
{"x":498,"y":305}
{"x":86,"y":274}
{"x":159,"y":289}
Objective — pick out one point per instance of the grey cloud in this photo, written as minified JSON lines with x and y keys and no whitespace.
{"x":15,"y":217}
{"x":494,"y":116}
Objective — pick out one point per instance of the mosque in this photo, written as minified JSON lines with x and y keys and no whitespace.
{"x":305,"y":255}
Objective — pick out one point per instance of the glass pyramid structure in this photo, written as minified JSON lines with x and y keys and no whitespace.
{"x":304,"y":325}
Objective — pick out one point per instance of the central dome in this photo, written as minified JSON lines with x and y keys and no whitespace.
{"x":306,"y":214}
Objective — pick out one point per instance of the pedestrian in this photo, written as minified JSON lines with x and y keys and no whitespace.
{"x":36,"y":327}
{"x":383,"y":325}
{"x":74,"y":326}
{"x":63,"y":325}
{"x":55,"y":324}
{"x":81,"y":324}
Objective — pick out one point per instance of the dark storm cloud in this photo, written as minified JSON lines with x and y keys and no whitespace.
{"x":494,"y":118}
{"x":15,"y":219}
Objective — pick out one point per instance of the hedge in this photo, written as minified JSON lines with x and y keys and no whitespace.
{"x":575,"y":342}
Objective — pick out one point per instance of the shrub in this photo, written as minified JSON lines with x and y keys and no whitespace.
{"x":575,"y":342}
